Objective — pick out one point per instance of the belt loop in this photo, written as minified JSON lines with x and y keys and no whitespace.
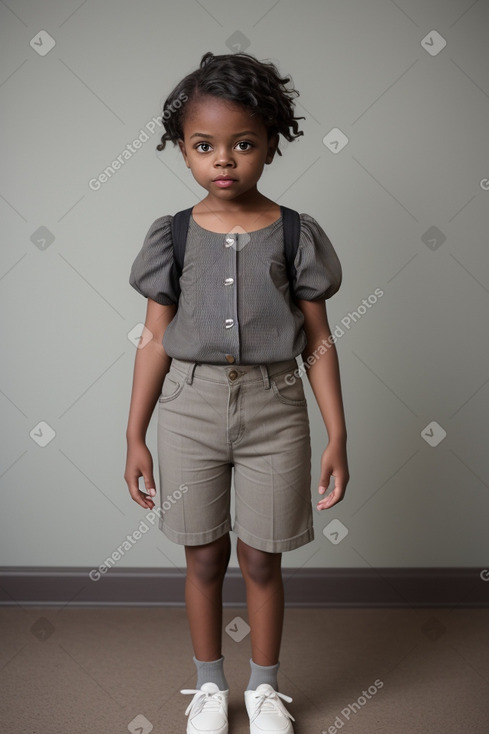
{"x":266,"y":376}
{"x":190,"y":373}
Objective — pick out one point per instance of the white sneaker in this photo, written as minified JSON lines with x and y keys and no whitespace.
{"x":267,"y":712}
{"x":208,"y":710}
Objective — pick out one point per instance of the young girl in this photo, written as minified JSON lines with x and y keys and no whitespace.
{"x":221,"y":363}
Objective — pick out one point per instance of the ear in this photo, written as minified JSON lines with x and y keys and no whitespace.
{"x":181,"y":145}
{"x":272,"y":148}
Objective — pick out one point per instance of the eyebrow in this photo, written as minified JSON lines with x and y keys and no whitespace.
{"x":236,"y":135}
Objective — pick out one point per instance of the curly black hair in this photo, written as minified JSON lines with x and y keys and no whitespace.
{"x":239,"y":78}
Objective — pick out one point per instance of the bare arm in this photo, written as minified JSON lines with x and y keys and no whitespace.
{"x":150,"y":367}
{"x":324,"y":377}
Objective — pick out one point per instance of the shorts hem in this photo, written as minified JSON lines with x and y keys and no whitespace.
{"x":274,"y":546}
{"x":207,"y":536}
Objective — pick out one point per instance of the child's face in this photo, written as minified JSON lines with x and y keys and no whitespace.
{"x":225,"y":147}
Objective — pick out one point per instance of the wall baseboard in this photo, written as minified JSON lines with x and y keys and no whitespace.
{"x":304,"y":587}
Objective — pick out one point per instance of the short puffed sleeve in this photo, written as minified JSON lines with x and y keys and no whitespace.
{"x":318,"y":269}
{"x":153,"y":271}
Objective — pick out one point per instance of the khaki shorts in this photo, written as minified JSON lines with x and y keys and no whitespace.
{"x":250,"y":418}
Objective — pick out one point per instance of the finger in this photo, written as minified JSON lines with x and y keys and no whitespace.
{"x":324,"y":481}
{"x":145,"y":497}
{"x":325,"y":504}
{"x":143,"y":500}
{"x":147,"y":503}
{"x":326,"y":501}
{"x":140,"y":497}
{"x":332,"y":499}
{"x":149,"y":483}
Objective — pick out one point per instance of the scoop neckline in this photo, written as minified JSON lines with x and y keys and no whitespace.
{"x":252,"y":231}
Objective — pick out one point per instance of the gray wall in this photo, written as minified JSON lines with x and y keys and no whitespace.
{"x":405,"y":203}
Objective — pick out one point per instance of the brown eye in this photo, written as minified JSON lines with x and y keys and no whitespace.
{"x":203,"y":147}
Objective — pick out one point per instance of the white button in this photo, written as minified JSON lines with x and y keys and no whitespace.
{"x":228,"y":281}
{"x":229,"y":323}
{"x":229,"y":241}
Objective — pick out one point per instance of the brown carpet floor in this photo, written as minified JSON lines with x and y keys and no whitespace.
{"x":113,"y":670}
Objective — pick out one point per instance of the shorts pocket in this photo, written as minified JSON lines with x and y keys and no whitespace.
{"x":288,"y":389}
{"x":171,"y":388}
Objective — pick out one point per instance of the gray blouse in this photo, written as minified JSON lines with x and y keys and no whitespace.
{"x":236,"y":303}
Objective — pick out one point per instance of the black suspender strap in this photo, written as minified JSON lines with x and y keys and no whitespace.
{"x":179,"y":235}
{"x":292,"y":229}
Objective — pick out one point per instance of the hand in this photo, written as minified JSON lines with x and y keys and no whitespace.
{"x":333,"y":463}
{"x":139,"y":463}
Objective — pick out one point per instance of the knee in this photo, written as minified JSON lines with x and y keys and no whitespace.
{"x":208,"y":563}
{"x":259,"y":567}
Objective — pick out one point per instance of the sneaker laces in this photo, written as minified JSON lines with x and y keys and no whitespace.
{"x":268,"y":703}
{"x":205,"y":700}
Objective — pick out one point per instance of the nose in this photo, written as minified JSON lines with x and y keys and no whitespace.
{"x":224,"y":158}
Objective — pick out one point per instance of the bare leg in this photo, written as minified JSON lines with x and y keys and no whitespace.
{"x":265,"y":598}
{"x":206,"y":568}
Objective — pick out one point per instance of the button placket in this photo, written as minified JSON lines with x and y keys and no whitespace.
{"x":230,"y":297}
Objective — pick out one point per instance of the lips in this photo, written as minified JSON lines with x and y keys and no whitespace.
{"x":224,"y":182}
